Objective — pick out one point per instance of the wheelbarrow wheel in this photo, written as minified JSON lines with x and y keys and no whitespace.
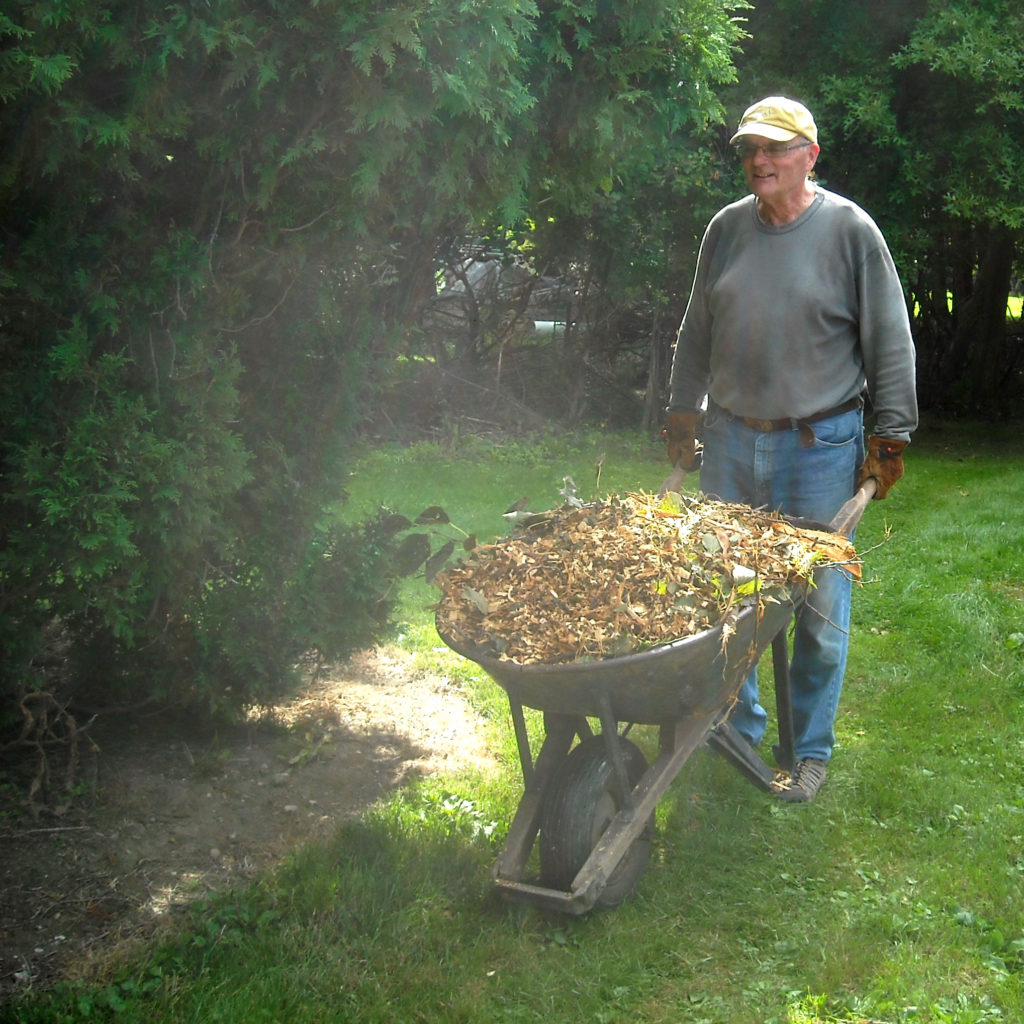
{"x":581,"y":803}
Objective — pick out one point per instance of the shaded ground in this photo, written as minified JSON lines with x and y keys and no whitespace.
{"x":167,"y":819}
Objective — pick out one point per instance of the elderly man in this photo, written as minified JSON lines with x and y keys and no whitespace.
{"x":796,"y":317}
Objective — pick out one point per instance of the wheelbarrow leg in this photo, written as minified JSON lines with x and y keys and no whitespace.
{"x":559,"y":733}
{"x":726,"y":740}
{"x":784,"y":752}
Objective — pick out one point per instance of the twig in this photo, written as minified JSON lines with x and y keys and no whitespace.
{"x":266,"y":316}
{"x":11,"y":834}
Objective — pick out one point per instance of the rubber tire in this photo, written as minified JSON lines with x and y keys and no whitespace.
{"x":582,"y":801}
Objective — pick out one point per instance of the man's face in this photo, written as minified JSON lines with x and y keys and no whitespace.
{"x":776,"y":171}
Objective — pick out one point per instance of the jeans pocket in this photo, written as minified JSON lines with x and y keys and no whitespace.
{"x":839,"y":431}
{"x":714,"y":417}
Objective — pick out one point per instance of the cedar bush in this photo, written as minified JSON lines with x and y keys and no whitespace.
{"x":221,"y":224}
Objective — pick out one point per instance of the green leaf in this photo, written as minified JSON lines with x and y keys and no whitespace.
{"x":393,"y":524}
{"x":412,"y":553}
{"x":435,"y":515}
{"x":438,"y":560}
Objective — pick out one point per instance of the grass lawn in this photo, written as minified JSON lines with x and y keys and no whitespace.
{"x":896,"y":897}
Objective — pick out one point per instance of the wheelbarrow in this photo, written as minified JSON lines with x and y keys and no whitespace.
{"x":589,"y":798}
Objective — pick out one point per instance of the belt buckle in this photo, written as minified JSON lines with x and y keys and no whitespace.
{"x":764,"y":426}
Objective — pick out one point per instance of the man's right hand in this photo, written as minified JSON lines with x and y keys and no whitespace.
{"x":680,"y":434}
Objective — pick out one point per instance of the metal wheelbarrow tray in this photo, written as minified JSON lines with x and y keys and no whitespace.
{"x":593,"y":807}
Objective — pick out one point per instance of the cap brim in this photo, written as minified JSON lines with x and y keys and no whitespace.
{"x":767,"y":131}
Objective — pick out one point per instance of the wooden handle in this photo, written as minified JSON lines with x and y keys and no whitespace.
{"x":847,"y":518}
{"x":674,"y":481}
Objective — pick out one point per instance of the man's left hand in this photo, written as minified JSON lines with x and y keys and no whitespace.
{"x":884,"y":462}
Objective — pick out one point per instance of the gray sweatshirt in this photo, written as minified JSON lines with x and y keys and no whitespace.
{"x":786,"y":322}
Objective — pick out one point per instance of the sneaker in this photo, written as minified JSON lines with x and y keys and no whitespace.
{"x":803,"y":784}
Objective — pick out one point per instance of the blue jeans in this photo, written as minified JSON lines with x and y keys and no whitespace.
{"x":776,"y":471}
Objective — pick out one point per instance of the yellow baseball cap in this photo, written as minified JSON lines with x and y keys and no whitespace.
{"x":779,"y":119}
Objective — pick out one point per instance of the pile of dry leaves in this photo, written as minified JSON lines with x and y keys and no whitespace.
{"x":610,"y":578}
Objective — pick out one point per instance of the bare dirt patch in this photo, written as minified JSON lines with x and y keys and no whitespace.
{"x":169,"y":817}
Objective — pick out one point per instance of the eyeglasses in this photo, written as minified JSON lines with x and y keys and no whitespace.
{"x":772,"y":150}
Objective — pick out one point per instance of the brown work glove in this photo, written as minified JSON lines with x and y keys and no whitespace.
{"x":884,"y":462}
{"x":680,"y":434}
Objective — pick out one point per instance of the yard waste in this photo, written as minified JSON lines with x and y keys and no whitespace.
{"x":618,"y":576}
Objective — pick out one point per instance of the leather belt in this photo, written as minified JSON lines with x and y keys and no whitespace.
{"x":795,"y":423}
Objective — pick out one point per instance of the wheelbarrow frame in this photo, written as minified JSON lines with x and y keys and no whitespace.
{"x":685,"y":688}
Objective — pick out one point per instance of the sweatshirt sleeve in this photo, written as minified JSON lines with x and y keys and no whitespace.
{"x":887,"y":345}
{"x":688,"y":385}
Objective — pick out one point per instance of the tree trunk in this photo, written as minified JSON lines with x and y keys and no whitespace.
{"x":653,"y":413}
{"x":979,"y":345}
